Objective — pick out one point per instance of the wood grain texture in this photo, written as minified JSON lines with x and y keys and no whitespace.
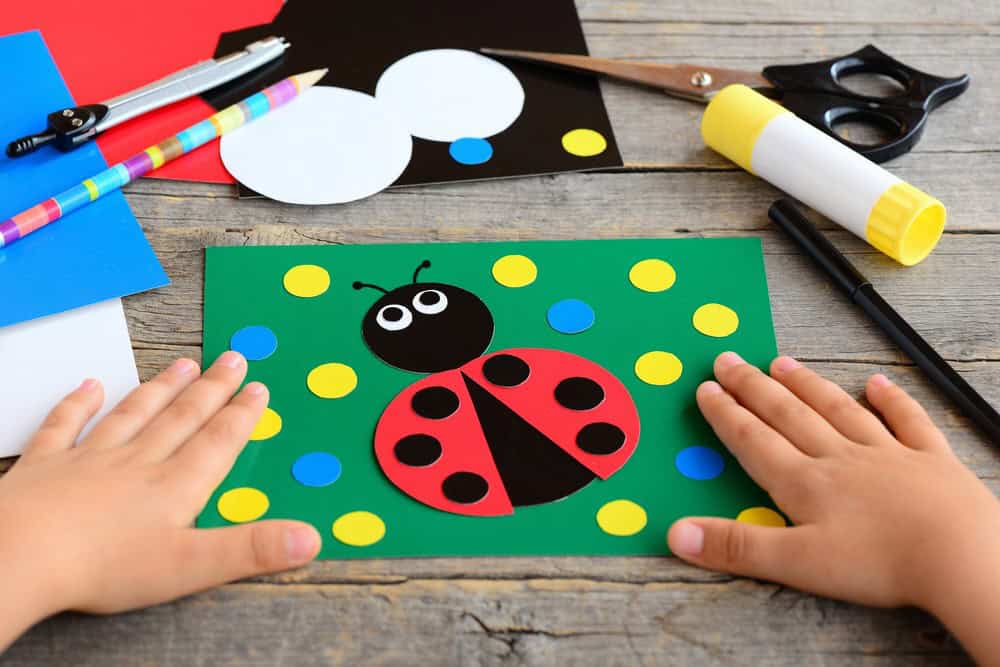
{"x":610,"y":611}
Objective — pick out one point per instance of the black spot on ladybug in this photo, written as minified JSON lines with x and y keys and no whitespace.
{"x":418,"y":450}
{"x":600,"y":438}
{"x":506,"y":370}
{"x":464,"y":487}
{"x":579,"y":394}
{"x":533,"y":469}
{"x":435,"y":403}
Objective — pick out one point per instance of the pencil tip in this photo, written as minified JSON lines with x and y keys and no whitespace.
{"x":308,"y":79}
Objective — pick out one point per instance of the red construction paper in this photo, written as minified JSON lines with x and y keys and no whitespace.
{"x":464,"y":446}
{"x":106,"y":48}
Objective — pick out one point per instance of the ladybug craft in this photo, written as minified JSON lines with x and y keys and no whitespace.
{"x":486,"y":433}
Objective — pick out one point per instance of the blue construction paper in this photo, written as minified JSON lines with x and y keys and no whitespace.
{"x":96,"y":253}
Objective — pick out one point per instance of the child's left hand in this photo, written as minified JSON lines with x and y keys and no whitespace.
{"x":106,"y":526}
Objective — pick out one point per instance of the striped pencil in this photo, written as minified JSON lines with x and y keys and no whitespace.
{"x":197,"y":135}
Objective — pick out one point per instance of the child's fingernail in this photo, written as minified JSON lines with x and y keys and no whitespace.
{"x":727,"y":359}
{"x":183,"y":367}
{"x":879,"y":380}
{"x":301,"y":542}
{"x":89,"y":384}
{"x":687,"y":538}
{"x":230,"y":359}
{"x":785,"y":364}
{"x":255,"y":389}
{"x":709,"y":388}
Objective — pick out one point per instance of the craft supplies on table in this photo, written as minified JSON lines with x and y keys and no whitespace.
{"x":71,"y":127}
{"x":112,"y":179}
{"x":857,"y":288}
{"x":771,"y":142}
{"x":98,"y":254}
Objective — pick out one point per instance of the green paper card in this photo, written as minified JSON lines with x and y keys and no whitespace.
{"x":487,"y":399}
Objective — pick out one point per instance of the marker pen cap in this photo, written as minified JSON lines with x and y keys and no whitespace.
{"x":769,"y":141}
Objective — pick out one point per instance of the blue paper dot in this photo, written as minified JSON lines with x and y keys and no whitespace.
{"x":254,"y":343}
{"x":316,"y":469}
{"x":570,"y":316}
{"x":470,"y":151}
{"x":699,"y":463}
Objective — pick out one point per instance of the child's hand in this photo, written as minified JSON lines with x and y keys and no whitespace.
{"x":106,"y":526}
{"x":882,"y":517}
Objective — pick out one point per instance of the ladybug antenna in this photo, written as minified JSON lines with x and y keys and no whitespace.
{"x":426,"y":264}
{"x":360,"y":285}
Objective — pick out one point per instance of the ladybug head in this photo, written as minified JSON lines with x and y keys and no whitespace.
{"x":427,"y":327}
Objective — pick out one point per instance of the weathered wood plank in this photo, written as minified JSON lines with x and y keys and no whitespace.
{"x":487,"y":622}
{"x":778,"y":12}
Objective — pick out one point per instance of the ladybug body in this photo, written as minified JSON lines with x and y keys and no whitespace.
{"x":487,"y":433}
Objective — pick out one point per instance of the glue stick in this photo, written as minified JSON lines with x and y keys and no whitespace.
{"x":771,"y":142}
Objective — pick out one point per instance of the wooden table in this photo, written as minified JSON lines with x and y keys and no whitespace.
{"x":610,"y":611}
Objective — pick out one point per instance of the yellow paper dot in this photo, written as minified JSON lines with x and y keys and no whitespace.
{"x":716,"y":320}
{"x":514,"y":271}
{"x":621,"y":517}
{"x":584,"y":143}
{"x":306,"y":280}
{"x":762,"y":516}
{"x":268,"y":426}
{"x":652,"y":275}
{"x":332,"y":380}
{"x":243,"y":504}
{"x":359,"y":529}
{"x":659,"y":368}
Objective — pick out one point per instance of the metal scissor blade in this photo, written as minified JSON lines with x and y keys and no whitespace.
{"x":191,"y":81}
{"x":681,"y":80}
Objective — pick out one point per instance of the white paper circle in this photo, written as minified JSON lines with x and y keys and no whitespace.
{"x":449,"y":94}
{"x":330,"y":146}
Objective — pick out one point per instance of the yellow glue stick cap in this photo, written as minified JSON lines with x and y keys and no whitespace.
{"x":734,"y":120}
{"x":906,"y":223}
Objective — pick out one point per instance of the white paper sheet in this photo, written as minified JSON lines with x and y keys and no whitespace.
{"x":43,"y":360}
{"x":449,"y":94}
{"x":330,"y":146}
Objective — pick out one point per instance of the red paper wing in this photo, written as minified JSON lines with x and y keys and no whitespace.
{"x":109,"y":47}
{"x":430,"y":444}
{"x":579,"y":405}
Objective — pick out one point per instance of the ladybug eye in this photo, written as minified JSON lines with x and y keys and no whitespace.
{"x":430,"y":302}
{"x":393,"y":317}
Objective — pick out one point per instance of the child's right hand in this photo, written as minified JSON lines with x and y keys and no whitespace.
{"x":882,"y":516}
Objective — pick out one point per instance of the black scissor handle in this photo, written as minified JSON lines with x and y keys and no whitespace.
{"x":813,"y":92}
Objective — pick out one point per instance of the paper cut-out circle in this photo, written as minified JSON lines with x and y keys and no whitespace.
{"x":333,"y":380}
{"x":316,"y":469}
{"x":268,"y":426}
{"x":570,"y":316}
{"x":448,"y":94}
{"x":716,"y":320}
{"x":652,"y":275}
{"x":584,"y":143}
{"x":254,"y":343}
{"x":470,"y":151}
{"x":514,"y":271}
{"x":306,"y":280}
{"x":242,"y":504}
{"x":359,"y":529}
{"x":329,"y":146}
{"x":702,"y":463}
{"x":762,"y":516}
{"x":621,"y":518}
{"x":659,"y":368}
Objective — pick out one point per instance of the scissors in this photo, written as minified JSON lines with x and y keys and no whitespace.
{"x":811,"y":90}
